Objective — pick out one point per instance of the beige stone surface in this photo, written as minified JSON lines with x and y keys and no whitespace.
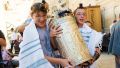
{"x":106,"y":61}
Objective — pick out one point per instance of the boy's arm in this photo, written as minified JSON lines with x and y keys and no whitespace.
{"x":63,"y":62}
{"x":54,"y":43}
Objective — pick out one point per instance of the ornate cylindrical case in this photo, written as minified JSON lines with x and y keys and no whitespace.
{"x":71,"y":44}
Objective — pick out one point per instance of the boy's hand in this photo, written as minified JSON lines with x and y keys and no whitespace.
{"x":66,"y":63}
{"x":97,"y":50}
{"x":97,"y":54}
{"x":54,"y":30}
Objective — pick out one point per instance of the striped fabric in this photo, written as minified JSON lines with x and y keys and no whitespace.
{"x":31,"y":54}
{"x":91,"y":37}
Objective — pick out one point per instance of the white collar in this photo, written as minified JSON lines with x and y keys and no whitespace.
{"x":85,"y":29}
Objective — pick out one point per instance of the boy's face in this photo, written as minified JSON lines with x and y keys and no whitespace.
{"x":80,"y":16}
{"x":39,"y":19}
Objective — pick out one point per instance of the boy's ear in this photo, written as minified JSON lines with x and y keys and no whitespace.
{"x":31,"y":14}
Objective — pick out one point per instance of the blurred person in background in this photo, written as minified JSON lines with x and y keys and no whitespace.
{"x":2,"y":45}
{"x":114,"y":45}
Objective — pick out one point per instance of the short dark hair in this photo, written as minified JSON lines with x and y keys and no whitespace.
{"x":80,"y":7}
{"x":43,"y":1}
{"x":37,"y":7}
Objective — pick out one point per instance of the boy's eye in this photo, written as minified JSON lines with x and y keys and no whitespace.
{"x":41,"y":16}
{"x":81,"y":14}
{"x":37,"y":16}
